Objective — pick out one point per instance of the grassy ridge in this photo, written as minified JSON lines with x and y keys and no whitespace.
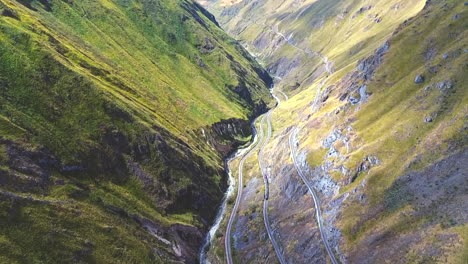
{"x":94,"y":93}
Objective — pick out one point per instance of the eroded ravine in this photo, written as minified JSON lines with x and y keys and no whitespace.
{"x":229,"y":192}
{"x":227,"y":237}
{"x":244,"y":154}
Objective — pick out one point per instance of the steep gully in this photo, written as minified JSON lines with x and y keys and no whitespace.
{"x":227,"y":237}
{"x":249,"y":151}
{"x":244,"y":154}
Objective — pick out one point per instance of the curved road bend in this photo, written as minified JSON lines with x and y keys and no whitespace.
{"x":240,"y":184}
{"x":227,"y":241}
{"x":222,"y":210}
{"x":315,"y":197}
{"x":266,"y":219}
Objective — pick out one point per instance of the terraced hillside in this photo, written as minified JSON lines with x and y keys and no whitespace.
{"x":114,"y":119}
{"x":378,"y":93}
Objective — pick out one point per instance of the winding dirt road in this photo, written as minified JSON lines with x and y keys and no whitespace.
{"x":266,"y":180}
{"x":227,"y":242}
{"x":318,"y":211}
{"x":240,"y":184}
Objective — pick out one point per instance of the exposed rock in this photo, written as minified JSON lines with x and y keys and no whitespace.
{"x":5,"y":196}
{"x":72,"y":168}
{"x":445,"y":85}
{"x":383,"y":49}
{"x":436,"y":193}
{"x":332,"y":152}
{"x":419,"y":79}
{"x":283,"y":66}
{"x":206,"y":46}
{"x":367,"y":163}
{"x":363,"y":93}
{"x":165,"y":188}
{"x":431,"y":52}
{"x":354,"y":99}
{"x":10,"y":13}
{"x":428,"y":88}
{"x":223,"y":135}
{"x":331,"y":138}
{"x":428,"y":119}
{"x":374,"y":161}
{"x":180,"y":240}
{"x":362,"y":10}
{"x":200,"y":62}
{"x":368,"y":66}
{"x":318,"y":176}
{"x":295,"y":189}
{"x":434,"y":69}
{"x":59,"y":182}
{"x":343,"y":96}
{"x":28,"y":170}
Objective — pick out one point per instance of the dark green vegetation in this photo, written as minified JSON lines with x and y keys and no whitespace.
{"x":106,"y":108}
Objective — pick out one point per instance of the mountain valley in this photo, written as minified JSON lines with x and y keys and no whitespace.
{"x":336,"y":131}
{"x":376,"y":112}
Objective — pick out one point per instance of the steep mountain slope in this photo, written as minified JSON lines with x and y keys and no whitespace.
{"x":377,"y":91}
{"x":114,"y":119}
{"x":293,"y":38}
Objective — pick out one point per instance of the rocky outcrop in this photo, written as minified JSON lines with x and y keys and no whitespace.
{"x":227,"y":135}
{"x":29,"y":171}
{"x":354,"y":84}
{"x":367,"y":66}
{"x":180,"y":241}
{"x":366,"y":164}
{"x":419,"y":79}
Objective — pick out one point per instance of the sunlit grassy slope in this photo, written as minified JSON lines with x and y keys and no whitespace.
{"x":145,"y":57}
{"x":120,"y":93}
{"x":342,"y":31}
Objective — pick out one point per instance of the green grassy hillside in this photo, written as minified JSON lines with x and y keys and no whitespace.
{"x":340,"y":31}
{"x":107,"y":110}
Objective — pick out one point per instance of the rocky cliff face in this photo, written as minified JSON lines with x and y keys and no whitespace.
{"x":377,"y":91}
{"x":115,"y":117}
